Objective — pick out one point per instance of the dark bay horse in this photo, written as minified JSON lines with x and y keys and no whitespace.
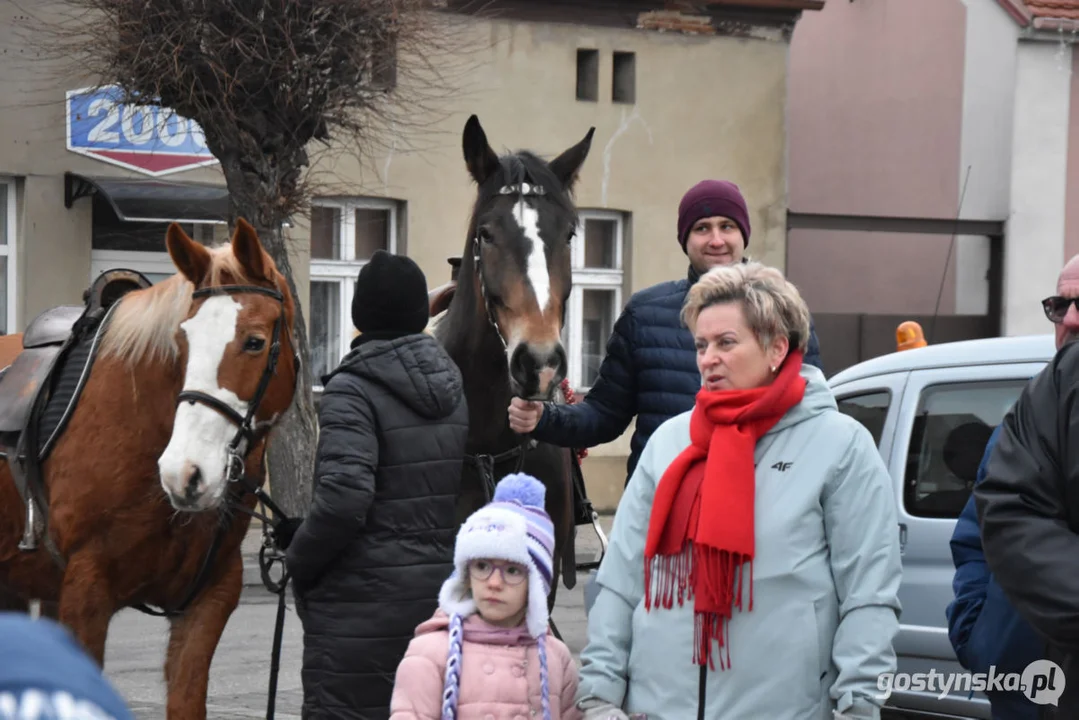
{"x":503,"y":325}
{"x":145,"y":491}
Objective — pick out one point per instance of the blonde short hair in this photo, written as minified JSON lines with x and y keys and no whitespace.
{"x":772,"y":305}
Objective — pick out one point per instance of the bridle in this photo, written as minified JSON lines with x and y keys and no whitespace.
{"x":248,"y":433}
{"x":523,"y":189}
{"x":485,"y":463}
{"x":246,"y":430}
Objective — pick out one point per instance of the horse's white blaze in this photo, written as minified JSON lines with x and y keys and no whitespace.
{"x":528,"y":219}
{"x":200,"y":434}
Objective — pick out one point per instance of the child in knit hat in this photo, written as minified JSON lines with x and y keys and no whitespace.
{"x":488,"y":649}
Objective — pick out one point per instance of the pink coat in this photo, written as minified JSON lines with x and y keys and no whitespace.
{"x":500,"y":677}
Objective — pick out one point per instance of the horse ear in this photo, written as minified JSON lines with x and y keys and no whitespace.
{"x":481,"y":160}
{"x":248,"y":250}
{"x":190,"y":258}
{"x":567,"y":166}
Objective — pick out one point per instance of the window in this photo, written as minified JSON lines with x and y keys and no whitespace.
{"x":624,"y":83}
{"x":380,"y":70}
{"x":7,"y":256}
{"x":596,"y":299}
{"x":947,"y":442}
{"x":139,"y":246}
{"x":870,"y":409}
{"x":588,"y":75}
{"x":344,"y":236}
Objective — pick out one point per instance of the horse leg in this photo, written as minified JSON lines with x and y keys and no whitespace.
{"x":86,"y":605}
{"x":193,"y":639}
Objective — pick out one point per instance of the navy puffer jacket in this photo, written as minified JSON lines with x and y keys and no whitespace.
{"x":650,"y":371}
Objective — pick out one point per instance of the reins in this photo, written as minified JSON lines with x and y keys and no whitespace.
{"x":248,"y":435}
{"x":485,"y":463}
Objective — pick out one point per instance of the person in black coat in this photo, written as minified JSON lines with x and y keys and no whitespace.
{"x":1028,"y":512}
{"x":368,"y":561}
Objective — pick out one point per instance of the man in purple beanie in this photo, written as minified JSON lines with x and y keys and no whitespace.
{"x":650,"y":369}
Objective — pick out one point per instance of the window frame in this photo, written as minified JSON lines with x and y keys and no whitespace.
{"x":889,"y":396}
{"x":10,"y":251}
{"x":586,"y":278}
{"x":343,"y":271}
{"x":912,"y":506}
{"x":146,"y":262}
{"x":143,"y":262}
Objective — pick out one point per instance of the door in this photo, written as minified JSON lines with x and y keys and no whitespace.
{"x":875,"y":402}
{"x":944,"y":423}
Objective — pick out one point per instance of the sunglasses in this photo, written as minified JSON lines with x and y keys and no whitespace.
{"x":1056,"y":307}
{"x":512,"y":573}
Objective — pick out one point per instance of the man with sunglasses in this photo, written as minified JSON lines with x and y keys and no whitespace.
{"x":984,"y":628}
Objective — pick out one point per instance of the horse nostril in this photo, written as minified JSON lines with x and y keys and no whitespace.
{"x":192,"y":489}
{"x":522,"y":364}
{"x":557,"y":360}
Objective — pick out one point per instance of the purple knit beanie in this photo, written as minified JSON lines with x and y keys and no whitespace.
{"x":709,"y":198}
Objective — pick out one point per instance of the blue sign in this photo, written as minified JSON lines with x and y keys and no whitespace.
{"x":150,"y":139}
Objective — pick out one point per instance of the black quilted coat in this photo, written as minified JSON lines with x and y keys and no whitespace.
{"x":368,"y":561}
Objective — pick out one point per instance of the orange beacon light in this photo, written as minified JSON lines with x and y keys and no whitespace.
{"x":909,"y":335}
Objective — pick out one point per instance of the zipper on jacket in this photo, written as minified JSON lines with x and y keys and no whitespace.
{"x":701,"y":693}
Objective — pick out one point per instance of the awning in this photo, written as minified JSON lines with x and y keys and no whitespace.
{"x":152,"y":200}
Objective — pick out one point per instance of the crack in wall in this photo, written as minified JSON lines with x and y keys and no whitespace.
{"x":627,"y":120}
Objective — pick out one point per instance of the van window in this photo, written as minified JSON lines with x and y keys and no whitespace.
{"x":951,"y":429}
{"x":870,"y":409}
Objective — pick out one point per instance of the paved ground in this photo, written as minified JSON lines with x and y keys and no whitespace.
{"x":239,"y":676}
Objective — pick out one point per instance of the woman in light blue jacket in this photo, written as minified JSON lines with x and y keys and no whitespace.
{"x":753,"y":566}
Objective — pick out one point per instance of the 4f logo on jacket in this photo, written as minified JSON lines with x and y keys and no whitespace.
{"x":782,"y":466}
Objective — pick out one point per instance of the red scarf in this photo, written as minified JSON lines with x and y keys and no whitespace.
{"x":700,"y":534}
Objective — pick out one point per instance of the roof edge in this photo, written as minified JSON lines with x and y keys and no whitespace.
{"x":1056,"y":23}
{"x":792,"y":5}
{"x":1018,"y":11}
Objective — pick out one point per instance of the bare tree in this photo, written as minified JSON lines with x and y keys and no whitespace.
{"x":265,"y":78}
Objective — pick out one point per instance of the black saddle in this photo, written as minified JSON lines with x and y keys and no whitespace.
{"x":47,"y":340}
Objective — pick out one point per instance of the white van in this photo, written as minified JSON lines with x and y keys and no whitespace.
{"x":931,"y":411}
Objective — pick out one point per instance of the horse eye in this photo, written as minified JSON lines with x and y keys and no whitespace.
{"x":254,"y":344}
{"x":484,"y":235}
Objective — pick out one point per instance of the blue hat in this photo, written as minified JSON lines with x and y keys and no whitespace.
{"x":43,"y":665}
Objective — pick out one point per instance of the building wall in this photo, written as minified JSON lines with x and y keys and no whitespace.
{"x":705,"y":106}
{"x":900,"y":108}
{"x":1036,"y":224}
{"x":643,"y":157}
{"x":1071,"y":212}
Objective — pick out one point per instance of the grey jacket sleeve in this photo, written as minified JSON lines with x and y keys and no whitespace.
{"x":861,"y":525}
{"x":605,"y":659}
{"x":1028,"y":534}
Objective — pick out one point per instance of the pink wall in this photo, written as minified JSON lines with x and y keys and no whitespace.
{"x":876,"y":108}
{"x":875,"y":273}
{"x":875,"y":122}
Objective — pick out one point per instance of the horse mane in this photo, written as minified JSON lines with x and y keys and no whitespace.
{"x":144,"y":324}
{"x":515,"y":168}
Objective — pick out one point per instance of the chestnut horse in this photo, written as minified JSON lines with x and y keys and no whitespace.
{"x":144,"y":475}
{"x":10,"y":346}
{"x":503,"y":325}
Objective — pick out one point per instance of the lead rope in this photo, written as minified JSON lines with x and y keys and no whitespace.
{"x":269,"y":554}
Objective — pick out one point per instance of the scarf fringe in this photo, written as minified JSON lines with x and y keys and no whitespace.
{"x":719,"y":593}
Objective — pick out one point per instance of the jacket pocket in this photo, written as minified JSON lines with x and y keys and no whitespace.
{"x":825,"y":640}
{"x":804,"y":653}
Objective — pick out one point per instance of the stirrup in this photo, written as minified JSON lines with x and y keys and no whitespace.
{"x":29,"y":533}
